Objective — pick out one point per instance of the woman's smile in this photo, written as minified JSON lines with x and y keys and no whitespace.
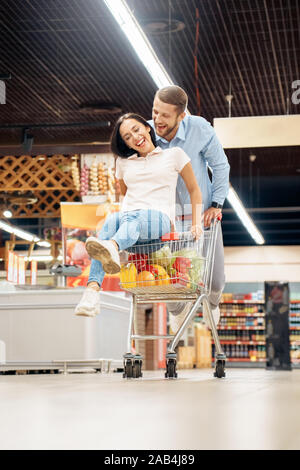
{"x":137,"y":136}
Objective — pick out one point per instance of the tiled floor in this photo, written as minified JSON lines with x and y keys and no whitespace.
{"x":249,"y":409}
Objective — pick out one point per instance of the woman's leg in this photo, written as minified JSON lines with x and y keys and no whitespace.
{"x":110,"y":227}
{"x":138,"y":225}
{"x":141,"y":226}
{"x":89,"y":305}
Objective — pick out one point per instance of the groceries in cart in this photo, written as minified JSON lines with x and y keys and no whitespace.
{"x":164,"y":265}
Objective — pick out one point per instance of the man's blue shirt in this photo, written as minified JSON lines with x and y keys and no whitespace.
{"x":198,"y":139}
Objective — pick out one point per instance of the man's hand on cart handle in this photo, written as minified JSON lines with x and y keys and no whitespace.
{"x":210,"y":214}
{"x":196,"y":231}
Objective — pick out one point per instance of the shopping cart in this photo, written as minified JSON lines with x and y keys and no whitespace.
{"x":176,"y":268}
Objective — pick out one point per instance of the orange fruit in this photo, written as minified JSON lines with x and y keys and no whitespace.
{"x":145,"y":279}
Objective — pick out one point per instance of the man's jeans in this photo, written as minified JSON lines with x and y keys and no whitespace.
{"x":128,"y":229}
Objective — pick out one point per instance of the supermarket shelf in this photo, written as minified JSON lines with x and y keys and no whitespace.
{"x":294,"y":327}
{"x":243,"y":343}
{"x":244,"y":359}
{"x":242,"y":362}
{"x":294,"y":301}
{"x":243,"y":314}
{"x":244,"y":302}
{"x":241,"y":328}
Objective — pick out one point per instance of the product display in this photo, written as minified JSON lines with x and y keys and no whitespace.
{"x":242,"y":328}
{"x":75,"y":174}
{"x":94,"y":179}
{"x":84,"y":180}
{"x":295,"y":331}
{"x":102,"y":178}
{"x":97,"y":177}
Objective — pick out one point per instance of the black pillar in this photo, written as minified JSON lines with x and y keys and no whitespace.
{"x":277,"y":298}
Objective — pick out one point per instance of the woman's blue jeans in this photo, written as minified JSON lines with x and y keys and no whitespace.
{"x":128,"y":229}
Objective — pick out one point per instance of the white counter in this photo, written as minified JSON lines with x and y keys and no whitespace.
{"x":40,"y":326}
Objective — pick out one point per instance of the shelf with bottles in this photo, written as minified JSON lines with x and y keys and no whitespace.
{"x":242,"y":336}
{"x":295,"y":317}
{"x":241,"y":309}
{"x":244,"y":352}
{"x":243,"y":302}
{"x":243,"y":323}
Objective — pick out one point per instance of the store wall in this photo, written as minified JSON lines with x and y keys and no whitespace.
{"x":262,"y":263}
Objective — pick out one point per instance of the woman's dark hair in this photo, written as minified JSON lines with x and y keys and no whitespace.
{"x":117,"y":144}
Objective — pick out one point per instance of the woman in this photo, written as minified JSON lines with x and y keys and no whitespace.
{"x":147,"y":176}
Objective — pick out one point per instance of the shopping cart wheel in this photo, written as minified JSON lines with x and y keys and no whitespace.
{"x":137,"y":367}
{"x":128,"y":366}
{"x":132,"y":366}
{"x":220,"y":369}
{"x":171,"y":366}
{"x":128,"y":369}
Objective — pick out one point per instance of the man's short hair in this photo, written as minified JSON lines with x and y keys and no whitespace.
{"x":173,"y":95}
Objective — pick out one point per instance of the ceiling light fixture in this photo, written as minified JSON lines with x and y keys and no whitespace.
{"x":45,"y":258}
{"x":100,"y":108}
{"x":246,"y":220}
{"x":128,"y":23}
{"x":7,"y":214}
{"x":159,"y":25}
{"x":23,"y":235}
{"x":139,"y":41}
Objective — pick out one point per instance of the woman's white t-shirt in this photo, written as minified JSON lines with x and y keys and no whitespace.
{"x":151,"y":181}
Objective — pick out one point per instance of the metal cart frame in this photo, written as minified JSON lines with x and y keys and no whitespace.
{"x":133,"y":362}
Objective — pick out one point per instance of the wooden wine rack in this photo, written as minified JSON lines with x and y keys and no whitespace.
{"x":48,"y":178}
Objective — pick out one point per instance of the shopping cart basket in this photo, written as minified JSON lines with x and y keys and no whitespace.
{"x":177,"y":268}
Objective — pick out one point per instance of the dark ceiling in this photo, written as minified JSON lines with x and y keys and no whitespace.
{"x":66,"y":54}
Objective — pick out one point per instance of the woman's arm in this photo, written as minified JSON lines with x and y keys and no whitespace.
{"x":123,"y":187}
{"x":188,"y":176}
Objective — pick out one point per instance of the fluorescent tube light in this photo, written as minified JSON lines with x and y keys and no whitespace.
{"x":44,"y":243}
{"x":24,"y":235}
{"x":246,"y":220}
{"x":41,"y":258}
{"x":19,"y":233}
{"x":124,"y":17}
{"x":139,"y":41}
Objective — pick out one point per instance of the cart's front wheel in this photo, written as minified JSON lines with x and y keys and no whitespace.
{"x":128,"y":369}
{"x":132,"y":366}
{"x":171,"y":369}
{"x":220,"y":369}
{"x":137,"y":368}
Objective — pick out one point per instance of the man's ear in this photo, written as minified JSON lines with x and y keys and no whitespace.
{"x":182,"y":115}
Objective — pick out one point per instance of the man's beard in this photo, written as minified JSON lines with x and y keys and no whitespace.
{"x":168,"y":130}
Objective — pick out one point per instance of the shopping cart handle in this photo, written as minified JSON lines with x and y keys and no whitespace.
{"x":170,"y":236}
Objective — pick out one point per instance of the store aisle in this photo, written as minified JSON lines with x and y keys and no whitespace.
{"x":250,"y":409}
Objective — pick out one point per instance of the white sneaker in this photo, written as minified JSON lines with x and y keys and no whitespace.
{"x":89,"y":305}
{"x":177,"y":320}
{"x":106,"y":252}
{"x":215,"y":313}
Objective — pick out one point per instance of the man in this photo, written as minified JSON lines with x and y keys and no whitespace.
{"x":175,"y":128}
